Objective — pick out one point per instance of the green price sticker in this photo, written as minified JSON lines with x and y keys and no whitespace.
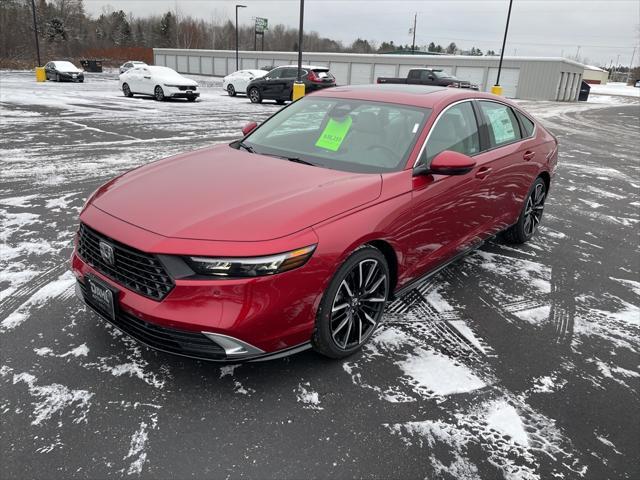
{"x":333,"y":134}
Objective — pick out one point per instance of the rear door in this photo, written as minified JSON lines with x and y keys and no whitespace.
{"x":145,"y":81}
{"x":448,"y":210}
{"x":507,"y":160}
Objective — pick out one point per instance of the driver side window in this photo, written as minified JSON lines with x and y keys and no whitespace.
{"x":455,"y":130}
{"x":275,"y":74}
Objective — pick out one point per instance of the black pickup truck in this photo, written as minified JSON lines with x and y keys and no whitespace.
{"x":430,"y":76}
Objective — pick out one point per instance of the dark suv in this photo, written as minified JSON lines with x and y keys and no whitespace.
{"x":278,"y":83}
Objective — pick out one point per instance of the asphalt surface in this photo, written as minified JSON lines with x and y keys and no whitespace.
{"x":515,"y":363}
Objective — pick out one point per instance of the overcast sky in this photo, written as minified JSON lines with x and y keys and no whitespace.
{"x":603,"y":29}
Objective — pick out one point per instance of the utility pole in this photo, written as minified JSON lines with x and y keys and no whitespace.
{"x":631,"y":64}
{"x":237,"y":7}
{"x":413,"y":43}
{"x":35,"y":30}
{"x":497,"y":89}
{"x":578,"y":53}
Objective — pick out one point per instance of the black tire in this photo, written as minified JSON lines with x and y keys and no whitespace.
{"x":191,"y":98}
{"x":57,"y":77}
{"x":126,"y":90}
{"x":530,"y":216}
{"x":348,"y":316}
{"x":280,"y":102}
{"x":158,"y":93}
{"x":254,"y":95}
{"x":231,"y":90}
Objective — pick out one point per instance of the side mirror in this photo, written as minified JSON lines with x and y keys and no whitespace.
{"x":431,"y":77}
{"x":248,"y":128}
{"x":447,"y":163}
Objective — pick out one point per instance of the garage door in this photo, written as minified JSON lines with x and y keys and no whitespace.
{"x":383,"y":71}
{"x":360,"y":73}
{"x":340,"y":71}
{"x":508,"y":80}
{"x":183,"y":64}
{"x":207,"y":65}
{"x":471,"y":74}
{"x":171,"y":62}
{"x":194,"y":64}
{"x":248,"y":63}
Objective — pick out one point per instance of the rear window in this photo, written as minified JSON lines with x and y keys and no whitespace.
{"x":322,"y":73}
{"x":527,"y":125}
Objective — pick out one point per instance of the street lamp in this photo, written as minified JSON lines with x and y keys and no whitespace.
{"x":298,"y":86}
{"x":497,"y":89}
{"x":237,"y":7}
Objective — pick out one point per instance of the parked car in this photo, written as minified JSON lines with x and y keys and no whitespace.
{"x":278,"y":83}
{"x":297,"y":235}
{"x":429,"y":76}
{"x":237,"y":82}
{"x":63,"y":71}
{"x":131,"y":64}
{"x":158,"y":82}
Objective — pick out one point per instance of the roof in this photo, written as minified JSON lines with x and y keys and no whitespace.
{"x":413,"y":95}
{"x":594,"y":68}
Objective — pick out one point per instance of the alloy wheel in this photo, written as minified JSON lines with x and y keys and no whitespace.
{"x":231,"y":91}
{"x":126,"y":90}
{"x":254,"y":95}
{"x":533,"y":209}
{"x":358,"y":304}
{"x":159,"y":94}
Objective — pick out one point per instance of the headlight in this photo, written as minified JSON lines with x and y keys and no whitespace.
{"x":235,"y":267}
{"x":172,"y":86}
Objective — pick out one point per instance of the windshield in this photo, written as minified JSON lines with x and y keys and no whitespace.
{"x":166,"y":71}
{"x":342,"y":134}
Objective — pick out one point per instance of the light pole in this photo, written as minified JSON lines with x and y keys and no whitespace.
{"x":237,"y":7}
{"x":497,"y":89}
{"x":35,"y":29}
{"x":298,"y":86}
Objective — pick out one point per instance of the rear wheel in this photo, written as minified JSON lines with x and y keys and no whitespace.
{"x":158,"y":94}
{"x":280,"y":102}
{"x":231,"y":90}
{"x":254,"y":95}
{"x":530,"y":215}
{"x":126,"y":90}
{"x":352,"y":306}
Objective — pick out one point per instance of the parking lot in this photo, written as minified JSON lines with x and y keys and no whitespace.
{"x":518,"y":363}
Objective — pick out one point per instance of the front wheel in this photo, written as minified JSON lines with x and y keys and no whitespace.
{"x":191,"y":98}
{"x":530,"y":216}
{"x":158,"y":93}
{"x":254,"y":95}
{"x":352,"y":306}
{"x":126,"y":90}
{"x":280,"y":102}
{"x":231,"y":90}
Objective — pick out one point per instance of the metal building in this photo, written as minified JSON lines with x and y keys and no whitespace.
{"x":533,"y":78}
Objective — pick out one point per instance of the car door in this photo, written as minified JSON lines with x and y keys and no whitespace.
{"x":145,"y":81}
{"x":272,"y":83}
{"x":48,"y":70}
{"x":448,"y":211}
{"x":132,"y":78}
{"x":286,"y":82}
{"x":507,"y":162}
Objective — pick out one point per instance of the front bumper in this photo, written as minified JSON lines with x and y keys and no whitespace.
{"x":174,"y":92}
{"x":262,"y":317}
{"x":198,"y":345}
{"x":68,"y":77}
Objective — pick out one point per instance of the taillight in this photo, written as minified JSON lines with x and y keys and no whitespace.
{"x":312,"y":77}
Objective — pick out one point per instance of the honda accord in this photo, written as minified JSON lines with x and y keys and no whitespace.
{"x":298,"y":234}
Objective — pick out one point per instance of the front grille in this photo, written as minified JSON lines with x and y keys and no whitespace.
{"x":138,"y":271}
{"x":181,"y":342}
{"x":187,"y":88}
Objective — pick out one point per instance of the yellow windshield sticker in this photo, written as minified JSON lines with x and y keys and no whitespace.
{"x":334,"y":133}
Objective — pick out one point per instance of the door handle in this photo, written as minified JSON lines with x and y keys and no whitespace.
{"x":484,"y":172}
{"x":529,"y":155}
{"x":146,"y":77}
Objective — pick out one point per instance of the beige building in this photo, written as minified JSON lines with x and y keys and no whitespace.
{"x":595,"y":75}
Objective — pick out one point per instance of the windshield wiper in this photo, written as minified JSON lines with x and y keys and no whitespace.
{"x":291,"y":159}
{"x":246,"y":147}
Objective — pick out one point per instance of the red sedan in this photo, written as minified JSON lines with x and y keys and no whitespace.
{"x":297,"y":235}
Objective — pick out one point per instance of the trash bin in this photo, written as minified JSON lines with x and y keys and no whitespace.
{"x":585,"y":88}
{"x":92,"y":65}
{"x":41,"y":75}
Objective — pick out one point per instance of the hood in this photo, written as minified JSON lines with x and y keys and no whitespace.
{"x":220,"y":193}
{"x":174,"y":80}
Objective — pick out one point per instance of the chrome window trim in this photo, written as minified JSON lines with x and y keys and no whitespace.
{"x":435,"y":122}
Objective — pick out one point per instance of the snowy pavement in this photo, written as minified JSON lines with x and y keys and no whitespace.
{"x":515,"y":363}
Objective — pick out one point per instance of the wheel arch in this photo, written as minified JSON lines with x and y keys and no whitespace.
{"x":391,"y":257}
{"x":546,"y":177}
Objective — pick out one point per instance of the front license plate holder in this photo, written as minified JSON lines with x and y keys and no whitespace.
{"x":102,"y":296}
